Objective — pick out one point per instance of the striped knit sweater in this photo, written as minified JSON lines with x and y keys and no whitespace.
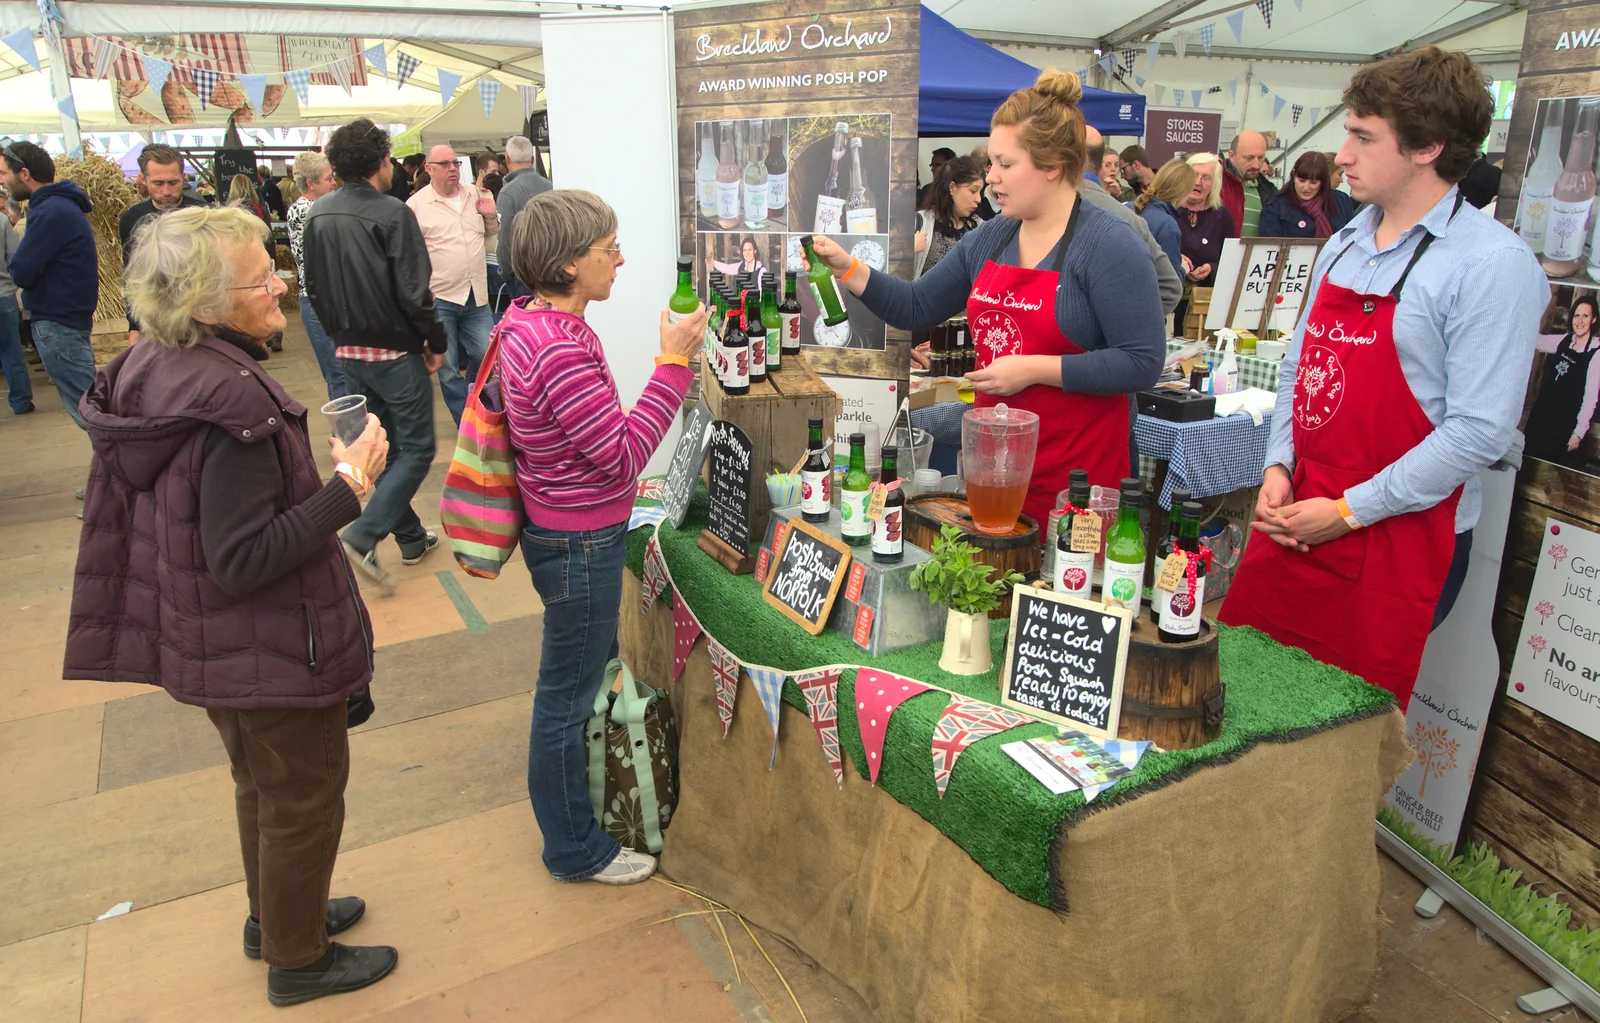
{"x":578,"y":453}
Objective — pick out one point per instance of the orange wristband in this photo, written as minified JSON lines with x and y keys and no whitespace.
{"x":855,"y":264}
{"x":673,"y":360}
{"x":1349,"y":516}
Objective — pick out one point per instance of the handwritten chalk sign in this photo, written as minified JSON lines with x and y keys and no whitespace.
{"x":805,"y":575}
{"x":1065,"y":659}
{"x":728,"y":481}
{"x":687,"y":458}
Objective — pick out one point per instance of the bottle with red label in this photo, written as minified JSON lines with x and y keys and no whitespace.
{"x":888,"y":529}
{"x":1180,"y":618}
{"x":735,"y":354}
{"x":816,"y":478}
{"x":1074,"y":569}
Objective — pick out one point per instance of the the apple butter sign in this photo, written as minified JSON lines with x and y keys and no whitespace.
{"x":1556,"y":670}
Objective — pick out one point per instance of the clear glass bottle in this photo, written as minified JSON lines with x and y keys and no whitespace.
{"x":755,"y":178}
{"x":1539,"y":186}
{"x":728,"y":180}
{"x":816,"y":477}
{"x":1124,"y":566}
{"x":861,"y":213}
{"x":888,"y":529}
{"x":830,"y":204}
{"x":777,"y":174}
{"x":1568,"y":227}
{"x":1180,"y":616}
{"x":854,"y":495}
{"x":706,"y":176}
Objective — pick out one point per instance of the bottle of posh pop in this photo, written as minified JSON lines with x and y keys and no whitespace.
{"x":1180,"y":620}
{"x":1074,"y":569}
{"x":735,"y":355}
{"x":789,"y":316}
{"x":683,"y":301}
{"x":855,"y":494}
{"x":1158,"y":596}
{"x":756,"y":331}
{"x":888,"y":529}
{"x":772,"y":321}
{"x":824,"y":289}
{"x":816,"y":477}
{"x":1123,"y":582}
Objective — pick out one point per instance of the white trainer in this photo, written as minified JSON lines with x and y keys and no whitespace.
{"x":628,"y":868}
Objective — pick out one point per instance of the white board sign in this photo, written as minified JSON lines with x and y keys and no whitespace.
{"x":863,"y":401}
{"x":1556,"y":670}
{"x":1292,"y":285}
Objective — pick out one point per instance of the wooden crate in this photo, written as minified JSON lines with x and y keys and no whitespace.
{"x":1194,"y":320}
{"x":774,"y":414}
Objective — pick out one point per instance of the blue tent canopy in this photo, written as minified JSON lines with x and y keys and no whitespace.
{"x":962,"y":80}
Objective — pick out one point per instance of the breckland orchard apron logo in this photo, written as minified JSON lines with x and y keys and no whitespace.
{"x":1319,"y":387}
{"x":997,"y":332}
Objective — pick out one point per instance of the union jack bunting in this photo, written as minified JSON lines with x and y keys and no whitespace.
{"x":649,"y":489}
{"x":725,"y":669}
{"x":963,"y":723}
{"x":821,"y":690}
{"x":655,"y":575}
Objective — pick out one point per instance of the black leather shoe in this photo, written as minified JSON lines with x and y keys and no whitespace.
{"x":342,"y":915}
{"x":353,"y":968}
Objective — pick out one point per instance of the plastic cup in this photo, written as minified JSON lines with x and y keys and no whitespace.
{"x":347,"y":417}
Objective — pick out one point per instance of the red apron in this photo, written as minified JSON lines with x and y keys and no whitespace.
{"x":1012,"y":311}
{"x":1365,"y":601}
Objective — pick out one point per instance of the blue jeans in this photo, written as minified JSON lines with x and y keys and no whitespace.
{"x":19,"y":388}
{"x":578,"y":575}
{"x":68,"y":358}
{"x":467,"y":327}
{"x":400,"y":394}
{"x":323,"y":346}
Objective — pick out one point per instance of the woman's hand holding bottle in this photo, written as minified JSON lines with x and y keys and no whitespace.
{"x":687,"y":336}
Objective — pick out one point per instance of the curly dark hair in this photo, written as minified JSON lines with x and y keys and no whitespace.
{"x":357,"y":150}
{"x":963,"y":170}
{"x":1429,"y":96}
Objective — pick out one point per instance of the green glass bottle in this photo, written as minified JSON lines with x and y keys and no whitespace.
{"x":683,"y":301}
{"x":756,"y":333}
{"x":1124,"y":572}
{"x":770,"y":318}
{"x":1158,"y":597}
{"x":855,"y":494}
{"x":888,"y":531}
{"x":823,"y":287}
{"x":1074,"y":570}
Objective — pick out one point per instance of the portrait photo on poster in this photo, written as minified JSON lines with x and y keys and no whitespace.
{"x":741,"y":174}
{"x":1555,"y":206}
{"x":1564,"y":385}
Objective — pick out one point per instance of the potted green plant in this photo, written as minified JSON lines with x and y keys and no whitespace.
{"x":955,"y":578}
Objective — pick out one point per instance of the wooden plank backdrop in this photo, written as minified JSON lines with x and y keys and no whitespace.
{"x":854,"y":28}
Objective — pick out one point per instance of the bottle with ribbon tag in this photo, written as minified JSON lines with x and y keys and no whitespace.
{"x":886,"y":511}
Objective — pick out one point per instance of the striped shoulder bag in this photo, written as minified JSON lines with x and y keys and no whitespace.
{"x":481,"y":508}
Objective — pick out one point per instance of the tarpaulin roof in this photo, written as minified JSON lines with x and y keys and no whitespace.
{"x":961,"y":80}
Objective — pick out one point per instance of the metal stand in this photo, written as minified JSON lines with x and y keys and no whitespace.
{"x":1564,"y":984}
{"x":1429,"y":904}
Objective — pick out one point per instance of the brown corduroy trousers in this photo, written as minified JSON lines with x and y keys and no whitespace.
{"x":289,"y":774}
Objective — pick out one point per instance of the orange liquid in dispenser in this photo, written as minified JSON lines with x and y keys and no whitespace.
{"x":995,"y":509}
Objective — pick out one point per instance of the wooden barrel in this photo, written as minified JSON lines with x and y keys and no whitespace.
{"x":1172,"y":692}
{"x":1016,"y":551}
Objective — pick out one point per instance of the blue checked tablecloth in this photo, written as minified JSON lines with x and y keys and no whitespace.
{"x":1211,"y":457}
{"x":1253,"y":372}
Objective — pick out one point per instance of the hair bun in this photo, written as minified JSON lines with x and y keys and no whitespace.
{"x":1060,"y":85}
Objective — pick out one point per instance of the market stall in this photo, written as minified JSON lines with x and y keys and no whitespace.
{"x":1162,"y":898}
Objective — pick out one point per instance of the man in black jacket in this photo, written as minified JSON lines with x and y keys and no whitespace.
{"x":367,"y":273}
{"x":161,"y":170}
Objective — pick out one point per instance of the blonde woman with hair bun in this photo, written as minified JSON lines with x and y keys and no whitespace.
{"x":1060,"y":293}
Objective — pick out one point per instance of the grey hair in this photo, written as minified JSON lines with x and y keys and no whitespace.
{"x":309,"y":167}
{"x":554,"y":229}
{"x":519,"y":149}
{"x":181,"y":268}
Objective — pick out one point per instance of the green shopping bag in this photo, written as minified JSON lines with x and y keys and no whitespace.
{"x":633,"y":761}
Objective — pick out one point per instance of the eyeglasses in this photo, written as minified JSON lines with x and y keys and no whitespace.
{"x":443,"y":163}
{"x":264,"y":285}
{"x":615,"y":250}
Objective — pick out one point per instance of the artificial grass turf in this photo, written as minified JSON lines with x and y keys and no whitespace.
{"x":1004,"y":819}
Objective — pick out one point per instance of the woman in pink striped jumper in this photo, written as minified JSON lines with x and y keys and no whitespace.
{"x":578,"y":456}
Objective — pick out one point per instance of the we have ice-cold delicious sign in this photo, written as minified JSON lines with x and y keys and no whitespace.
{"x":1065,"y":660}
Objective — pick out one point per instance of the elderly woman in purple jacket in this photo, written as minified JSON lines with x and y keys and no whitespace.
{"x":210,"y":565}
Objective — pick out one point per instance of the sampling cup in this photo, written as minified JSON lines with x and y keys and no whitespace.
{"x":347,"y":417}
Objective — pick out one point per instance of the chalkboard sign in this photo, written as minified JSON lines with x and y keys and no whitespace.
{"x":729,"y":484}
{"x":228,"y":162}
{"x":1065,"y":660}
{"x":805,"y":575}
{"x":687,"y":458}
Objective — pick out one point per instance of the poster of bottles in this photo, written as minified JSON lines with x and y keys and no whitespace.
{"x":761,"y":184}
{"x":1555,"y":209}
{"x":800,"y":119}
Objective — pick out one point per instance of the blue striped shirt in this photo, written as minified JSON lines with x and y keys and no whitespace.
{"x":1464,"y":330}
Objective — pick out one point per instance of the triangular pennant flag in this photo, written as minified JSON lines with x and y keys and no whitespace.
{"x":1295,"y":110}
{"x":1128,"y":57}
{"x":655,"y":575}
{"x":255,"y":90}
{"x":1265,"y":7}
{"x":1152,"y":50}
{"x":1177,"y":97}
{"x":1208,"y":33}
{"x":1180,"y":44}
{"x":1236,"y":25}
{"x":1316,"y":114}
{"x":157,"y":71}
{"x":685,"y":630}
{"x":407,"y":65}
{"x":378,"y":58}
{"x":103,"y":56}
{"x":1297,"y":5}
{"x":341,"y":74}
{"x":1264,"y":90}
{"x":528,"y":93}
{"x":1194,"y":97}
{"x":67,"y":107}
{"x":300,"y":81}
{"x":488,"y":91}
{"x":769,"y":686}
{"x":650,"y":489}
{"x":205,"y":81}
{"x":1161,"y":92}
{"x":1233,"y":91}
{"x":1277,"y":106}
{"x":878,"y":695}
{"x":22,"y":42}
{"x":821,"y":690}
{"x":448,"y":80}
{"x":1138,"y":81}
{"x":645,"y":515}
{"x":963,"y":723}
{"x":725,"y":670}
{"x":1105,"y":63}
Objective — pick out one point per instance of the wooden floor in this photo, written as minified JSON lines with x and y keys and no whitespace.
{"x":115,"y":794}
